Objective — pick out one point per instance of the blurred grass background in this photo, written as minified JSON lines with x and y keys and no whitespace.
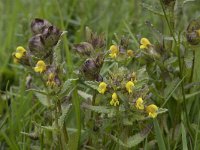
{"x":123,"y":17}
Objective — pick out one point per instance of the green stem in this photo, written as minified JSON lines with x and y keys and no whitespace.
{"x":58,"y":127}
{"x":41,"y":141}
{"x":165,"y":14}
{"x":192,"y":71}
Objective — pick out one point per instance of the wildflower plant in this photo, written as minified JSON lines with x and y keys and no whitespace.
{"x":131,"y":91}
{"x":118,"y":92}
{"x":41,"y":61}
{"x":115,"y":82}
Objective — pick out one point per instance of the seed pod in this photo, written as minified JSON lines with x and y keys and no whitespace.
{"x":97,"y":41}
{"x":192,"y":33}
{"x":124,"y":42}
{"x":51,"y":36}
{"x":91,"y":68}
{"x":36,"y":46}
{"x":169,"y":2}
{"x":193,"y":38}
{"x":39,"y":25}
{"x":83,"y":48}
{"x":99,"y":60}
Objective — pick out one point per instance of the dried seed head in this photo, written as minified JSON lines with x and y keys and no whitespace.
{"x":124,"y":42}
{"x":91,"y":68}
{"x":192,"y":33}
{"x":193,"y":38}
{"x":99,"y":60}
{"x":83,"y":48}
{"x":97,"y":41}
{"x":51,"y":36}
{"x":37,"y":46}
{"x":169,"y":2}
{"x":39,"y":25}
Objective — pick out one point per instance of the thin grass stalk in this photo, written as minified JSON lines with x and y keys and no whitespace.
{"x":177,"y":48}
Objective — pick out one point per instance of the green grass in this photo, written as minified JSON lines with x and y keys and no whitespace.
{"x":19,"y":108}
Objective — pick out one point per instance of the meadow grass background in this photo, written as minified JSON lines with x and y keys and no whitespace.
{"x":122,"y":17}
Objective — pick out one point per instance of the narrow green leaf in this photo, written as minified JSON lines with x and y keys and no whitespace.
{"x":76,"y":104}
{"x":184,"y":137}
{"x":188,"y":96}
{"x":159,"y":137}
{"x":73,"y":141}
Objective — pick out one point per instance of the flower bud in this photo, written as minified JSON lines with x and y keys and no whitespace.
{"x":52,"y":77}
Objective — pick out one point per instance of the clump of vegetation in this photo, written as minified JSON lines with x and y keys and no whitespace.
{"x":130,"y":91}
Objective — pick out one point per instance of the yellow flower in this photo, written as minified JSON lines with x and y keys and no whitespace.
{"x":51,"y":80}
{"x":144,"y":43}
{"x":114,"y":100}
{"x":102,"y":87}
{"x":139,"y":103}
{"x":114,"y":51}
{"x":130,"y":53}
{"x":152,"y":110}
{"x":40,"y":66}
{"x":129,"y":86}
{"x":20,"y":52}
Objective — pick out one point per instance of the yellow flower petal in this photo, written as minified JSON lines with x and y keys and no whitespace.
{"x":129,"y":86}
{"x":114,"y":51}
{"x":20,"y":52}
{"x":102,"y":87}
{"x":114,"y":100}
{"x":152,"y":110}
{"x":139,"y":104}
{"x":144,"y":43}
{"x":142,"y":47}
{"x":18,"y":55}
{"x":20,"y":49}
{"x":40,"y":66}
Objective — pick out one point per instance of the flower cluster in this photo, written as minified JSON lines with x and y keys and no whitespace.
{"x":151,"y":109}
{"x":115,"y":101}
{"x":121,"y":49}
{"x":105,"y":88}
{"x":92,"y":52}
{"x":40,"y":50}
